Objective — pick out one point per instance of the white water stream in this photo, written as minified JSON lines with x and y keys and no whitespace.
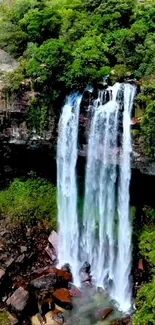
{"x":106,"y":236}
{"x":66,"y":184}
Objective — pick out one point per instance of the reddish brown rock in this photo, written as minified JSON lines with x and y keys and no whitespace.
{"x":127,"y":320}
{"x":63,"y":275}
{"x":62,"y":298}
{"x":19,"y":299}
{"x":75,"y":292}
{"x":102,"y":314}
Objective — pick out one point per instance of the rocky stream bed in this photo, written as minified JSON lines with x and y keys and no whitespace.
{"x":33,"y":291}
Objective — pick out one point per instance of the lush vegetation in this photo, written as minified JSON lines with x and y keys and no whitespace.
{"x":145,"y":301}
{"x":25,"y":201}
{"x":63,"y":45}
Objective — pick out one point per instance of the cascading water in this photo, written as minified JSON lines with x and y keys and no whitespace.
{"x":122,"y":291}
{"x":109,"y":253}
{"x":106,"y":236}
{"x":66,"y":184}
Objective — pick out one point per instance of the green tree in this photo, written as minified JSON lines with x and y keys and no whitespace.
{"x":148,"y":129}
{"x":145,"y":304}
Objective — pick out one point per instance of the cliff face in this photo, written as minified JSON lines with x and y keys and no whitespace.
{"x":16,"y":135}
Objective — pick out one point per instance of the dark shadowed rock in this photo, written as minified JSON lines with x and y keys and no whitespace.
{"x":19,"y":299}
{"x":63,"y":299}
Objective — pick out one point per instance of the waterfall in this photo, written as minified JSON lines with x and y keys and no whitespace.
{"x":106,"y":241}
{"x":66,"y":184}
{"x":123,"y":264}
{"x":105,"y":238}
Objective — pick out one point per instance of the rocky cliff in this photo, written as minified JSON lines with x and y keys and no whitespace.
{"x":17,"y":136}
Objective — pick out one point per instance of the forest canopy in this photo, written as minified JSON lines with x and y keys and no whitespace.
{"x":63,"y":45}
{"x":87,"y":39}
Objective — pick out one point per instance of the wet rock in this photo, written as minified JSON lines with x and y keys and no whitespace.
{"x":85,"y":277}
{"x":86,"y":268}
{"x":54,"y":240}
{"x":63,"y":299}
{"x":44,"y":282}
{"x":63,"y":276}
{"x":18,"y":300}
{"x":66,"y":267}
{"x":126,"y":320}
{"x":75,"y":292}
{"x":102,"y":314}
{"x":100,"y":290}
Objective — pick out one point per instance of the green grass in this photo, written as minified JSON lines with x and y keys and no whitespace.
{"x":3,"y":318}
{"x":25,"y":201}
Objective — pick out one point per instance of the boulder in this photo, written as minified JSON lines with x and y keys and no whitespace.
{"x":44,"y":282}
{"x":63,"y":276}
{"x":50,"y":277}
{"x":54,"y":241}
{"x":75,"y":292}
{"x":19,"y":299}
{"x":62,"y":298}
{"x":102,"y":314}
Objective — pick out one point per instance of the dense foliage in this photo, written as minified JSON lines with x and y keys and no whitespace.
{"x":63,"y":45}
{"x":30,"y":200}
{"x":145,"y":301}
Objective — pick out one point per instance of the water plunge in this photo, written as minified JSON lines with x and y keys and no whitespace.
{"x":106,"y":233}
{"x":66,"y":184}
